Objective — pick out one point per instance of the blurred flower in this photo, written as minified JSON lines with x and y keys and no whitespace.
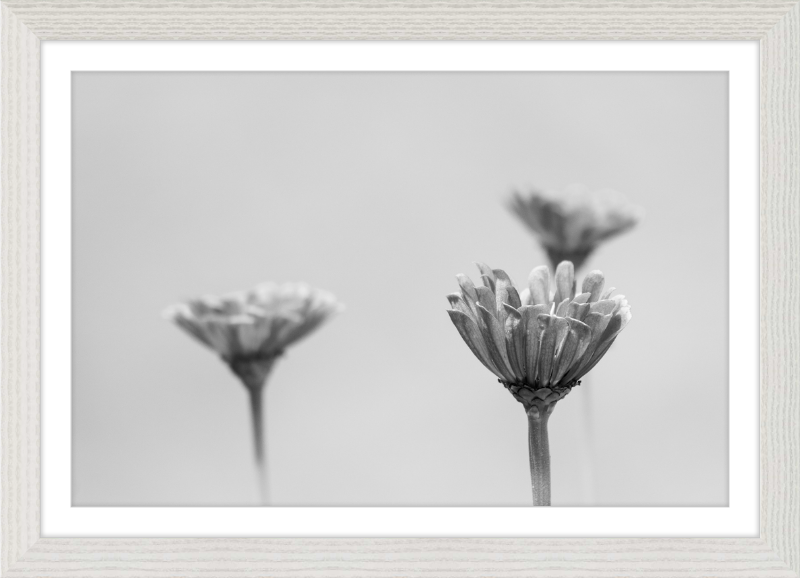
{"x":540,"y":342}
{"x":572,"y":223}
{"x":251,"y":329}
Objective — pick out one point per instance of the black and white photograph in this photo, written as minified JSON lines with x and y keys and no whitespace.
{"x":400,"y":289}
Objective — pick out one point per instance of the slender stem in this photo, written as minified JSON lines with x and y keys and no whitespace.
{"x":253,"y":372}
{"x":256,"y":412}
{"x":539,"y":453}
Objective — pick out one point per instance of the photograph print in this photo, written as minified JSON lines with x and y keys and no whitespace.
{"x":400,"y":289}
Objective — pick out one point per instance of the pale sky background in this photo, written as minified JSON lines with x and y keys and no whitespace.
{"x":381,"y":187}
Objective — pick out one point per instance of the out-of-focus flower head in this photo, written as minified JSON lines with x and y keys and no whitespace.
{"x":542,"y":341}
{"x":571,"y":223}
{"x":250,"y":329}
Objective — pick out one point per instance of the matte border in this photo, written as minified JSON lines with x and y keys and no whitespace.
{"x":25,"y":23}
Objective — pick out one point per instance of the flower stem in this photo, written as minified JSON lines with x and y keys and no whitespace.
{"x":256,"y":412}
{"x":539,"y":453}
{"x":253,"y":372}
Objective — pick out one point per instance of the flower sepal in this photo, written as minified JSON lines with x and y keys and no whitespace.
{"x":252,"y":370}
{"x":538,"y":402}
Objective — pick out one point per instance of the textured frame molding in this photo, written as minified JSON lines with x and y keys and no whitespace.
{"x":774,"y":23}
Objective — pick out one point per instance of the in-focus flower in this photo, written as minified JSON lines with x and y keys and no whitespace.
{"x":539,"y":342}
{"x":571,"y":223}
{"x":251,"y":329}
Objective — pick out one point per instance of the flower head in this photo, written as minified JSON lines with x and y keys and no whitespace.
{"x":250,"y":329}
{"x":542,"y":341}
{"x":572,"y":223}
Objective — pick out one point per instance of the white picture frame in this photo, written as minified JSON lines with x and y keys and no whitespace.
{"x":775,"y":552}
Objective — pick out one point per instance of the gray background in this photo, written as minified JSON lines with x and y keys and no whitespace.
{"x":380,"y":187}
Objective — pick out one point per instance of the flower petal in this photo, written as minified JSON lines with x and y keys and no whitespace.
{"x":593,"y":283}
{"x":468,"y":290}
{"x":513,"y":348}
{"x":582,"y":298}
{"x":512,"y":311}
{"x":603,"y":307}
{"x":220,"y":335}
{"x":613,"y":330}
{"x":530,"y":321}
{"x":292,"y":329}
{"x":539,"y":285}
{"x":472,"y":337}
{"x":251,"y":336}
{"x":617,"y":323}
{"x":487,"y":275}
{"x":578,"y":332}
{"x":514,"y":298}
{"x":562,"y":308}
{"x":578,"y":310}
{"x":620,"y":302}
{"x":486,"y":298}
{"x":615,"y":326}
{"x":599,"y":354}
{"x":520,"y":338}
{"x":597,"y":323}
{"x":584,"y":333}
{"x":525,"y":297}
{"x":284,"y":331}
{"x":193,"y":328}
{"x":458,"y":303}
{"x":555,"y":330}
{"x":547,"y":346}
{"x":504,"y":293}
{"x":562,"y":331}
{"x":565,"y":281}
{"x":583,"y":344}
{"x":495,"y":338}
